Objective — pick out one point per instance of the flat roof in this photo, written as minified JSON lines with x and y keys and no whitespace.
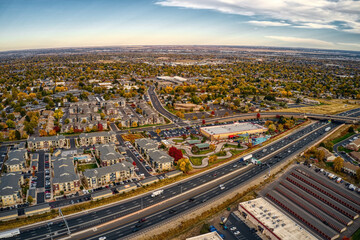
{"x":206,"y":236}
{"x":232,"y":128}
{"x":283,"y":226}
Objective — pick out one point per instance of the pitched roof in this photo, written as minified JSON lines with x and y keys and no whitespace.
{"x":49,"y":138}
{"x":64,"y":170}
{"x":97,"y":134}
{"x":146,"y":143}
{"x":9,"y":184}
{"x":107,"y":152}
{"x":99,"y":172}
{"x":16,"y":157}
{"x":160,"y":156}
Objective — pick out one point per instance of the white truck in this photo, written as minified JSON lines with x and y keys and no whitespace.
{"x":157,"y":193}
{"x":246,"y":158}
{"x":327,"y":129}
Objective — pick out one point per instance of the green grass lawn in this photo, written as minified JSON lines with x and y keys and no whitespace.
{"x":178,"y":140}
{"x":203,"y":152}
{"x":342,"y":149}
{"x":339,"y":139}
{"x":196,"y":160}
{"x":356,"y":235}
{"x":87,"y":166}
{"x":221,"y":154}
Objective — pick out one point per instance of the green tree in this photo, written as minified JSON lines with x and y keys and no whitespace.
{"x":17,"y":135}
{"x":30,"y":199}
{"x":10,"y":123}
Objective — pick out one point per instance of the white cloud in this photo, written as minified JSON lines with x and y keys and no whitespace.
{"x":357,"y":45}
{"x":268,"y":23}
{"x":316,"y":25}
{"x":303,"y":41}
{"x":305,"y":13}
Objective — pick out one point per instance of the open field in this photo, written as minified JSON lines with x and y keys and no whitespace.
{"x":334,"y":106}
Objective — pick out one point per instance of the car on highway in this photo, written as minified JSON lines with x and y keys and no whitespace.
{"x":102,"y":238}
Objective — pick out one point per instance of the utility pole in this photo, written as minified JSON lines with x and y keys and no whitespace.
{"x":67,"y":226}
{"x":269,"y":168}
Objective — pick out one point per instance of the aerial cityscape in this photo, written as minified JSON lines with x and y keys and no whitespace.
{"x":169,"y":119}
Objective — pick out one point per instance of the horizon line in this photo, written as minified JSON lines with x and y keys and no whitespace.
{"x":174,"y":45}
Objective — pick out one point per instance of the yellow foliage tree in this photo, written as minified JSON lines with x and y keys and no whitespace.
{"x":134,"y":124}
{"x":212,"y":147}
{"x":184,"y":165}
{"x":338,"y":164}
{"x":52,"y":133}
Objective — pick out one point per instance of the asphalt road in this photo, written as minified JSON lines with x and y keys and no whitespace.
{"x":205,"y":193}
{"x":344,"y":155}
{"x":139,"y":164}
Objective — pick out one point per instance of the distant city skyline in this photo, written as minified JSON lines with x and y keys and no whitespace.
{"x":35,"y":24}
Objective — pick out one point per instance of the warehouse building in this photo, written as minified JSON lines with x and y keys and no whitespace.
{"x":271,"y":221}
{"x":231,"y":130}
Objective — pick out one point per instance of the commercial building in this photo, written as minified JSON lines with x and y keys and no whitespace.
{"x":86,"y":139}
{"x":37,"y":209}
{"x":16,"y":160}
{"x":231,"y":130}
{"x":10,"y":188}
{"x":101,"y":194}
{"x":8,"y":215}
{"x":65,"y":179}
{"x":271,"y":221}
{"x":39,"y":143}
{"x":109,"y":174}
{"x":108,"y":155}
{"x":160,"y":160}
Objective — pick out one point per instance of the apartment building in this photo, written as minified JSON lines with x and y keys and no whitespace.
{"x":65,"y":179}
{"x":109,"y":174}
{"x":87,"y":139}
{"x":45,"y":143}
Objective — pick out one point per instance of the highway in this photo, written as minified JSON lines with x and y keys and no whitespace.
{"x":92,"y":218}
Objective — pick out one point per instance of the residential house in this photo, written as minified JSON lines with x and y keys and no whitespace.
{"x":109,"y":174}
{"x":10,"y":188}
{"x":329,"y":157}
{"x":45,"y":143}
{"x":65,"y":179}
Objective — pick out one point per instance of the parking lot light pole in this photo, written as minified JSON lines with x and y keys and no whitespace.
{"x":67,"y":226}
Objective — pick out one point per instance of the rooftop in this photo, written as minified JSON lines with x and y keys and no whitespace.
{"x":49,"y":138}
{"x":9,"y":183}
{"x":272,"y":218}
{"x":97,"y":134}
{"x":99,"y":172}
{"x":16,"y":157}
{"x":160,"y":156}
{"x":64,"y":170}
{"x":107,"y":152}
{"x":146,"y":143}
{"x":232,"y":128}
{"x":206,"y":236}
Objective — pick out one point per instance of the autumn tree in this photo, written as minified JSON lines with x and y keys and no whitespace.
{"x":58,"y":114}
{"x":134,"y":124}
{"x":212,"y":147}
{"x":184,"y":165}
{"x":338,"y":164}
{"x":175,"y":153}
{"x":213,"y":158}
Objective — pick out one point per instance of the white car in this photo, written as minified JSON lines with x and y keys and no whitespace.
{"x":233,"y":228}
{"x":102,"y":238}
{"x":236,"y":233}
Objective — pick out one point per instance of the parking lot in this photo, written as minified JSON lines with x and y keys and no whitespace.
{"x":239,"y":230}
{"x":343,"y":143}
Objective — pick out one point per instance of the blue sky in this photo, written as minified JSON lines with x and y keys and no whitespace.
{"x":329,"y":24}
